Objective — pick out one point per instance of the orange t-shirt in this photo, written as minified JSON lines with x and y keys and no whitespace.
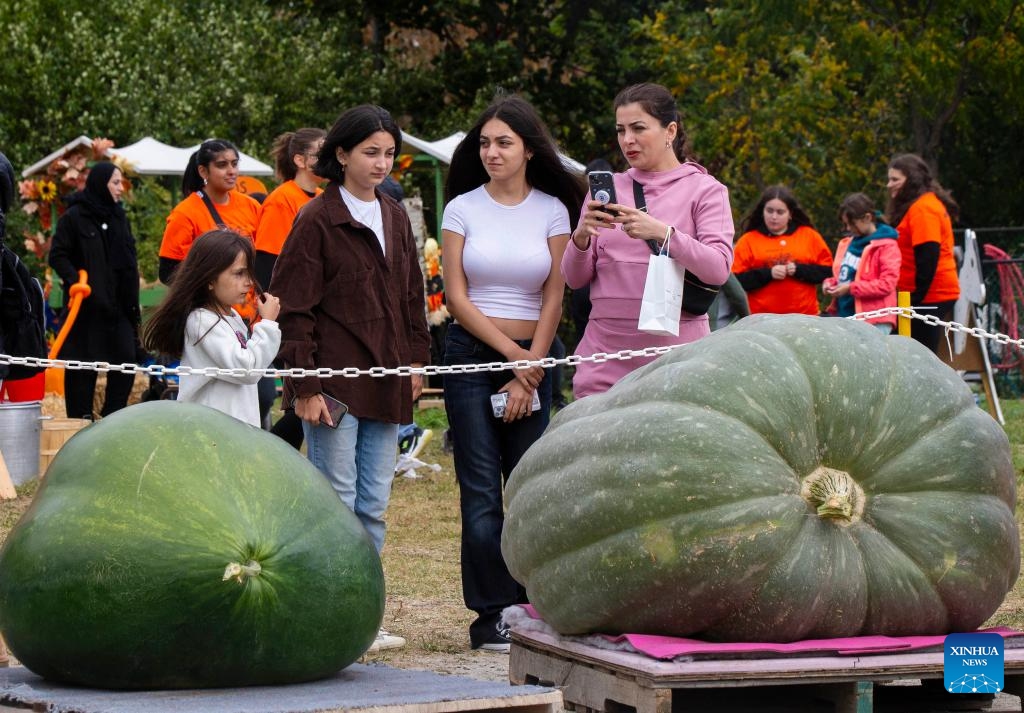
{"x":928,"y":221}
{"x":277,"y":215}
{"x":190,"y":219}
{"x":756,"y":250}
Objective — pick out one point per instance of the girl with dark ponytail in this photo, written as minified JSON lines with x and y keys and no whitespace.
{"x":295,"y":154}
{"x":210,"y":202}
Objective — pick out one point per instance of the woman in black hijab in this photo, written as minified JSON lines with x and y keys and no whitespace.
{"x":94,"y":235}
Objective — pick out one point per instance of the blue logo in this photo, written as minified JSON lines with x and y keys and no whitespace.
{"x":973,"y":663}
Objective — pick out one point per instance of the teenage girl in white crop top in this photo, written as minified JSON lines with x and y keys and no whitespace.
{"x":512,"y":207}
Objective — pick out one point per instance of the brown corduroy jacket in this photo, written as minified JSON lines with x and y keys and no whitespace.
{"x":345,"y":304}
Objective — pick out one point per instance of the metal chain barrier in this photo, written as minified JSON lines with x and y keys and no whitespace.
{"x":379,"y":371}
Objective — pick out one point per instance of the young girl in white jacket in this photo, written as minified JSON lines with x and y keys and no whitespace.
{"x":196,"y":322}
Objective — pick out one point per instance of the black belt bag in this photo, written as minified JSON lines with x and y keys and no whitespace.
{"x":697,"y":294}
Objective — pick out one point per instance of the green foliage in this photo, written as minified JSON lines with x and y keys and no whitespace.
{"x":817,"y":95}
{"x":181,"y":72}
{"x":147,"y":211}
{"x":820,"y":95}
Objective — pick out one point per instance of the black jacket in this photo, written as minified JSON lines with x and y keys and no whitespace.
{"x":103,"y":246}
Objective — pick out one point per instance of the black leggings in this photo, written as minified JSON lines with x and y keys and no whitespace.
{"x":289,"y":427}
{"x":80,"y":385}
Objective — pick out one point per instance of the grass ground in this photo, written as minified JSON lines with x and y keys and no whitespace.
{"x":421,"y":561}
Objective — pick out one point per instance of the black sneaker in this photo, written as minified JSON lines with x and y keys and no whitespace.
{"x":499,"y":643}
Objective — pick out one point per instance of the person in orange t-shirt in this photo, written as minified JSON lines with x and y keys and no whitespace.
{"x":923,"y":213}
{"x":295,"y":154}
{"x":781,"y":259}
{"x":211,"y":173}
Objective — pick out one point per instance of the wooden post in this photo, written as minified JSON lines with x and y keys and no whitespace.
{"x":903,"y":323}
{"x":7,"y":491}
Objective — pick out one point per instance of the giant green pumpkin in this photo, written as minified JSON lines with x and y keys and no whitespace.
{"x":172,"y":546}
{"x":789,"y":477}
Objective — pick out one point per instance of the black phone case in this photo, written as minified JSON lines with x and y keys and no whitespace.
{"x":337,"y":410}
{"x":602,"y":181}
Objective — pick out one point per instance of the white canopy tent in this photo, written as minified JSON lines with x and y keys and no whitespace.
{"x":149,"y":157}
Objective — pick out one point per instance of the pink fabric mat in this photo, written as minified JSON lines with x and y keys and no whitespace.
{"x":670,"y":647}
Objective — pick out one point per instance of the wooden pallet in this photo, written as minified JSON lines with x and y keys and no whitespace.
{"x":594,"y":679}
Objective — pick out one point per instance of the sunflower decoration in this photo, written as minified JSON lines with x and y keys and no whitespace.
{"x":47,"y":191}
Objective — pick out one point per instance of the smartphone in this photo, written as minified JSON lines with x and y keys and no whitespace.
{"x":602,"y":188}
{"x":336,"y":408}
{"x":500,"y":400}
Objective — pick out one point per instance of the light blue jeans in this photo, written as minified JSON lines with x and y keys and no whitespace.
{"x":358,"y":460}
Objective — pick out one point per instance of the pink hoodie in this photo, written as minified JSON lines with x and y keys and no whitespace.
{"x":615,"y":266}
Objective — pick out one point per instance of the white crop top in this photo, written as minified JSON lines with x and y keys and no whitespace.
{"x":506,"y":257}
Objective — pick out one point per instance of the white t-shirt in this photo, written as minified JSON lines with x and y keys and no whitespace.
{"x":226,"y":346}
{"x":366,"y":212}
{"x":506,"y":257}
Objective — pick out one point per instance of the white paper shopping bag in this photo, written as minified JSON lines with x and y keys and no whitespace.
{"x":663,"y":297}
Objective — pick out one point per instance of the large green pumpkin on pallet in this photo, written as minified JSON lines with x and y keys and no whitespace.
{"x":786,"y":478}
{"x":172,"y":546}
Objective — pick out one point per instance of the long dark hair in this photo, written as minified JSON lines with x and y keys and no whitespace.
{"x":658,"y":101}
{"x":191,"y":181}
{"x":212,"y":253}
{"x":544,"y":171}
{"x":351,"y":129}
{"x":754,"y":220}
{"x":919,"y":181}
{"x":290,"y":143}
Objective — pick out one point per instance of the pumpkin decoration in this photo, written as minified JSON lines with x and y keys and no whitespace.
{"x":786,"y":478}
{"x":172,"y":546}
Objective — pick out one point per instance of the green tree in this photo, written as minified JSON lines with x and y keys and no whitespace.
{"x":819,"y":95}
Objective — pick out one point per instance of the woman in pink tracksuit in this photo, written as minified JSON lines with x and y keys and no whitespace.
{"x":610,"y":252}
{"x":867,"y":264}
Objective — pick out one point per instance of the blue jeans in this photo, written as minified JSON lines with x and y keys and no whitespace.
{"x":358,"y":460}
{"x":486,"y":449}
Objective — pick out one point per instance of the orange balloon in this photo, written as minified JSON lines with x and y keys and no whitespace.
{"x":249,"y":185}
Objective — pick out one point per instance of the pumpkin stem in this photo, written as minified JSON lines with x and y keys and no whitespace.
{"x":834,"y":494}
{"x":241,"y":572}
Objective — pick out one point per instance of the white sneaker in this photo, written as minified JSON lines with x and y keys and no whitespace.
{"x":407,"y":467}
{"x":414,"y":444}
{"x":385,"y":641}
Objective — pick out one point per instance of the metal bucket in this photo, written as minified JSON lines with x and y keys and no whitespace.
{"x":19,"y":438}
